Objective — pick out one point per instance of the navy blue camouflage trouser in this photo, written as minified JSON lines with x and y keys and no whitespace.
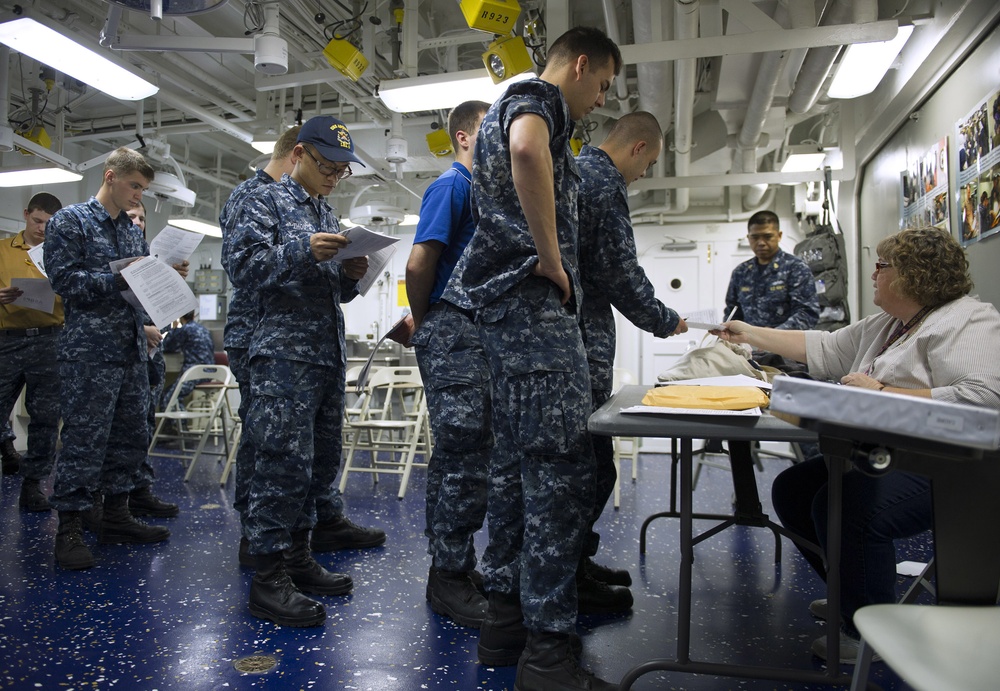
{"x":456,"y":380}
{"x":604,"y":476}
{"x":30,"y":361}
{"x":294,"y":423}
{"x":104,"y":433}
{"x":541,"y":489}
{"x":327,"y":507}
{"x":156,"y":369}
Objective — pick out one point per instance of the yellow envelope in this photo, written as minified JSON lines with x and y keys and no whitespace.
{"x":707,"y":397}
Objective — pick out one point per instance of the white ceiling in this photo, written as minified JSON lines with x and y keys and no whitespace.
{"x":211,"y":104}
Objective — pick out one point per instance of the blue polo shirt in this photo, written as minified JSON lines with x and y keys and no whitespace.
{"x":446,"y":216}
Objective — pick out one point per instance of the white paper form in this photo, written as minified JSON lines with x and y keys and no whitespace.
{"x":163,"y":293}
{"x":37,"y":256}
{"x":728,"y":380}
{"x":363,"y":242}
{"x":376,"y":262}
{"x":174,"y":245}
{"x":36,"y":294}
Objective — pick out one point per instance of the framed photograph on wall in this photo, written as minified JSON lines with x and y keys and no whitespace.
{"x":924,"y":198}
{"x":977,"y":197}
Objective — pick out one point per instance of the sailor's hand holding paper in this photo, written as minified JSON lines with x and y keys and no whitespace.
{"x":182,"y":268}
{"x":355,"y":268}
{"x":326,"y":245}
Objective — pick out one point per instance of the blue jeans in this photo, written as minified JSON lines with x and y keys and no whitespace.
{"x":876,"y":511}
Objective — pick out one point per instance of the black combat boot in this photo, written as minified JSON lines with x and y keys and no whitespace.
{"x":142,"y":502}
{"x":502,"y":635}
{"x":595,"y":597}
{"x":11,"y":459}
{"x":93,"y":516}
{"x":32,"y":497}
{"x":306,"y":573}
{"x":118,"y":526}
{"x":550,"y":663}
{"x":246,"y":559}
{"x":606,"y":574}
{"x":342,"y":533}
{"x":274,"y":597}
{"x":71,"y":553}
{"x":453,"y":594}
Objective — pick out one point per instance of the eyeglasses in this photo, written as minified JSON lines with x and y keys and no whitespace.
{"x":879,"y":265}
{"x":328,"y":170}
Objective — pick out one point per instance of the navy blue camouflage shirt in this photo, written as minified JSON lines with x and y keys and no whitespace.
{"x":80,"y":242}
{"x":243,"y":315}
{"x":502,"y":252}
{"x":609,"y":267}
{"x":298,"y":297}
{"x":194,"y":341}
{"x":780,"y":294}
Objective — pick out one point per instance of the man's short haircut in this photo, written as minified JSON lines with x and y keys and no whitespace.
{"x":635,"y":127}
{"x":464,"y":117}
{"x":764,"y":218}
{"x":43,"y":201}
{"x":286,"y":142}
{"x":125,"y":161}
{"x":585,"y":40}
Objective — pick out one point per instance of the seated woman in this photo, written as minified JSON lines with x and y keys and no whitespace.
{"x":931,"y":340}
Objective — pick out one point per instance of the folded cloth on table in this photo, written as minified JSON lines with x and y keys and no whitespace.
{"x":707,"y":397}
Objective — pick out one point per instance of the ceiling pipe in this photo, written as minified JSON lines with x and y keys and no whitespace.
{"x":685,"y":78}
{"x":655,"y":84}
{"x":819,"y":61}
{"x":621,"y":84}
{"x":664,"y":215}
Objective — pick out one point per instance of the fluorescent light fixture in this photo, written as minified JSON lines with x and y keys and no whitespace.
{"x":37,"y":39}
{"x":196,"y":226}
{"x":265,"y":144}
{"x":864,"y":64}
{"x":410,"y":220}
{"x":27,"y":177}
{"x":803,"y":158}
{"x":442,"y":91}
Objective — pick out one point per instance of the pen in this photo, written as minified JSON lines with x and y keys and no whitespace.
{"x":731,"y":314}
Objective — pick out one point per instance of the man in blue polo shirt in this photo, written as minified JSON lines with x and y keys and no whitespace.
{"x":456,"y":381}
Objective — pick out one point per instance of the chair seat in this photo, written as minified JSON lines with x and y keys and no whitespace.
{"x":183,"y":415}
{"x":936,"y":648}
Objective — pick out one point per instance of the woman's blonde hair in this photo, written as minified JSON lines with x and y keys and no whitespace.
{"x":931,"y":267}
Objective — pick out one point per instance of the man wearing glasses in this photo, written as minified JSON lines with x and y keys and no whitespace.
{"x":283,"y":250}
{"x":775,"y":289}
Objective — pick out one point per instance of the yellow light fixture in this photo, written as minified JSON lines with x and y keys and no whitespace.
{"x":346,"y":58}
{"x":506,"y":57}
{"x":439,"y":143}
{"x":40,"y":39}
{"x":492,"y":16}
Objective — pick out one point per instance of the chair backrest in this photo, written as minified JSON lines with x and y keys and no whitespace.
{"x":217,"y":373}
{"x":389,"y":384}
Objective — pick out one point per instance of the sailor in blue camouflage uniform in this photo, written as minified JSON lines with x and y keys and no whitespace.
{"x":774,"y":289}
{"x":141,"y":500}
{"x":519,"y":274}
{"x":456,"y":380}
{"x":282,"y":242}
{"x":102,"y":358}
{"x":332,"y":530}
{"x":611,"y":276}
{"x":28,"y":341}
{"x":194,"y":342}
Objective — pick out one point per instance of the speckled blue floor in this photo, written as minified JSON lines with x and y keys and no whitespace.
{"x":173,"y":615}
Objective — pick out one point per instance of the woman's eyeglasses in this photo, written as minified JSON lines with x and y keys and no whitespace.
{"x":879,"y":265}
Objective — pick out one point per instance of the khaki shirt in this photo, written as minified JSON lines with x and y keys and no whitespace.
{"x":14,"y":263}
